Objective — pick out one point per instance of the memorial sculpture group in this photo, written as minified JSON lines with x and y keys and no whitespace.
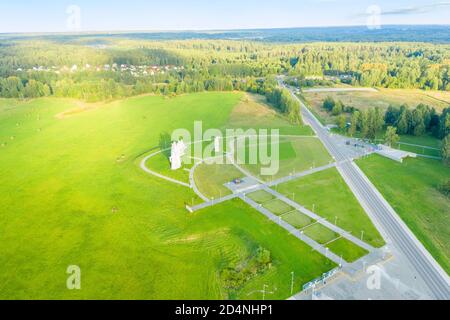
{"x":178,"y":151}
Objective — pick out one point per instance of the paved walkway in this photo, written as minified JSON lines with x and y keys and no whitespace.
{"x":211,"y":203}
{"x":317,"y":90}
{"x":300,"y":174}
{"x":192,"y":181}
{"x":144,"y":167}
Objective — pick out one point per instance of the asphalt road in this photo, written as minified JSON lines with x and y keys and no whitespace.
{"x":398,"y":233}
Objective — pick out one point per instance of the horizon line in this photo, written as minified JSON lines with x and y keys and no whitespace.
{"x":123,"y":31}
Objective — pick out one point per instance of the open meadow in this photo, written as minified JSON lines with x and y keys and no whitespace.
{"x":412,"y":190}
{"x":72,"y":193}
{"x":383,"y":98}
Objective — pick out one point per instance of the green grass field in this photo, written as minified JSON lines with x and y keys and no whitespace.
{"x":297,"y":154}
{"x":411,"y":189}
{"x":260,"y":196}
{"x":320,"y":233}
{"x":277,"y":207}
{"x":72,"y":193}
{"x":255,"y":113}
{"x":383,"y":98}
{"x":161,"y":164}
{"x":210,"y":179}
{"x":331,"y":198}
{"x":297,"y":219}
{"x":346,"y":249}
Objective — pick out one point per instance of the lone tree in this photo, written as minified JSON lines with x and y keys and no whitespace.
{"x":391,"y":136}
{"x":446,"y":150}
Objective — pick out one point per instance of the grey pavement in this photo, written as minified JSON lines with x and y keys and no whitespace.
{"x":318,"y":90}
{"x":300,"y":174}
{"x":211,"y":203}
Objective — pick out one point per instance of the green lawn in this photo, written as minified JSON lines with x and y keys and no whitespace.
{"x":320,"y":233}
{"x":161,"y":164}
{"x":278,"y":207}
{"x":296,"y":154}
{"x":346,"y":249}
{"x":260,"y":196}
{"x":297,"y":219}
{"x":210,"y":179}
{"x":331,"y":198}
{"x":72,"y":193}
{"x":411,"y":190}
{"x":253,"y":112}
{"x":235,"y":229}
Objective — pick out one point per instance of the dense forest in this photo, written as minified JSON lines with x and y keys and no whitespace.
{"x":416,"y":121}
{"x":95,"y":67}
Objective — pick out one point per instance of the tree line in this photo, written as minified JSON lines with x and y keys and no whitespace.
{"x":418,"y":121}
{"x":412,"y":121}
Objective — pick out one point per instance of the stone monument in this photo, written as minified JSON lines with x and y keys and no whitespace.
{"x":177,"y":152}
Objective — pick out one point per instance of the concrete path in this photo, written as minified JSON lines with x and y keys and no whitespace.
{"x":143,"y":167}
{"x":300,"y":175}
{"x":211,"y":203}
{"x":318,"y":90}
{"x":192,"y":181}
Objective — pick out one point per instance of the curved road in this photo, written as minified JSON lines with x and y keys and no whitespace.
{"x":378,"y":208}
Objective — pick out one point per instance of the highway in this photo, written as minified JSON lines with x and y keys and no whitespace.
{"x":384,"y":215}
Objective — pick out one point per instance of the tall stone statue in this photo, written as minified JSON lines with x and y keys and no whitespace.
{"x":177,"y":152}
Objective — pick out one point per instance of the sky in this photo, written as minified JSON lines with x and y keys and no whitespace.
{"x":151,"y":15}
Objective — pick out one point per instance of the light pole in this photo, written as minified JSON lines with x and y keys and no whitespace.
{"x":362,"y":235}
{"x":326,"y":252}
{"x":335,"y":220}
{"x":264,"y":292}
{"x":314,"y":208}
